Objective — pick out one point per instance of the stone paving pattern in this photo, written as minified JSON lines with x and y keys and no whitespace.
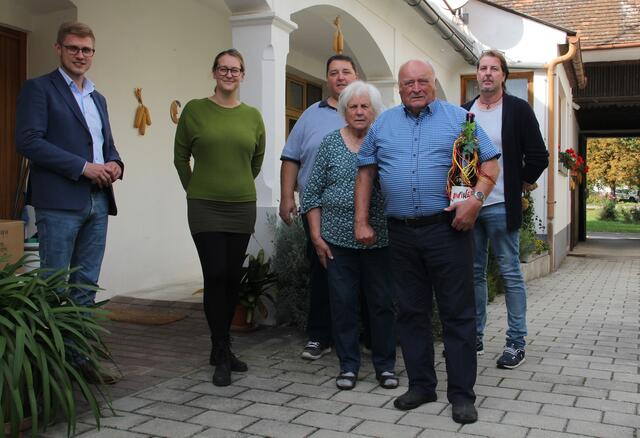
{"x":580,"y":378}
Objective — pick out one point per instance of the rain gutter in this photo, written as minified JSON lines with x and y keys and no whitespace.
{"x":448,"y":32}
{"x":551,"y":170}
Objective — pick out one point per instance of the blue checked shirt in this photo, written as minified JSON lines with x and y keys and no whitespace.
{"x":413,"y":155}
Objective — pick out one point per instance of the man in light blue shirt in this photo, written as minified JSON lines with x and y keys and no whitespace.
{"x":409,"y":148}
{"x":298,"y":156}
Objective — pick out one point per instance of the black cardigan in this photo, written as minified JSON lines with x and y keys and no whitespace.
{"x":524,"y":155}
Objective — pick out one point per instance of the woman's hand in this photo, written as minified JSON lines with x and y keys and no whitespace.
{"x":323,"y":250}
{"x":364,"y":233}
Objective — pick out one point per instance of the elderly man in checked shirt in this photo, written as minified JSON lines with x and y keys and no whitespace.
{"x":409,"y":149}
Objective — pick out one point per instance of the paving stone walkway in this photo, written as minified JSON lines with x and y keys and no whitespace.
{"x":580,"y":378}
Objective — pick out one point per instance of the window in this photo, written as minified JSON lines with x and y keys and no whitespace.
{"x":519,"y":84}
{"x":300,"y":95}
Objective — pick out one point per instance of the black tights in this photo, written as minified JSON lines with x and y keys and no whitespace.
{"x":221,"y":257}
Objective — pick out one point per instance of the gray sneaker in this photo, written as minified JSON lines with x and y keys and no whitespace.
{"x":511,"y":358}
{"x":315,"y":350}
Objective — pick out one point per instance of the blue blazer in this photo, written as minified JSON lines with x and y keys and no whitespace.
{"x":53,"y":134}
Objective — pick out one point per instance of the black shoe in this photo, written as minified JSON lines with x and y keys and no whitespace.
{"x":479,"y":348}
{"x":464,"y":413}
{"x":511,"y":358}
{"x":237,"y":366}
{"x":413,"y":398}
{"x":222,"y":375}
{"x":222,"y":356}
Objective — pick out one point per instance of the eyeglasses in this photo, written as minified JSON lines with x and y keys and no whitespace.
{"x":235,"y":71}
{"x":86,"y":51}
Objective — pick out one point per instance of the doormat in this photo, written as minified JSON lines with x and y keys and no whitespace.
{"x":143,"y":315}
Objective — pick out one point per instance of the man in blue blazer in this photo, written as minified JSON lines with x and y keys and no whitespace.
{"x":62,"y":127}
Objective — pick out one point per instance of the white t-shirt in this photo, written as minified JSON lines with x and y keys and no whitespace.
{"x":491,"y":122}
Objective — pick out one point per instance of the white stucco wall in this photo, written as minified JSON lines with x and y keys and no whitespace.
{"x":41,"y":26}
{"x":166,"y":48}
{"x":523,"y":40}
{"x":15,"y":15}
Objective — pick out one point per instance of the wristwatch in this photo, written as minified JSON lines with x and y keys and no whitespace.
{"x":479,"y":196}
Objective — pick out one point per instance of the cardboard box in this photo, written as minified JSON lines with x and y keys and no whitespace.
{"x":11,"y":241}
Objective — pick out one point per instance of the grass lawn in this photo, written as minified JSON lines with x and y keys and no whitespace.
{"x":617,"y":226}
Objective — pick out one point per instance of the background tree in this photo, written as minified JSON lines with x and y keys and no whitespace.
{"x":614,"y":162}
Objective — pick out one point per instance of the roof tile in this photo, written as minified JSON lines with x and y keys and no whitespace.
{"x":600,"y":22}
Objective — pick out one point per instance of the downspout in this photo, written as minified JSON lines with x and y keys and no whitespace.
{"x":447,"y":31}
{"x":551,"y":170}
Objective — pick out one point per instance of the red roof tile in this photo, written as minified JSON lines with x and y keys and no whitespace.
{"x":601,"y":23}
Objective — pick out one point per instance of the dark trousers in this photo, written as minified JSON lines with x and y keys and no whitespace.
{"x":366,"y":270}
{"x":221,"y":257}
{"x":426,"y":259}
{"x":319,"y":318}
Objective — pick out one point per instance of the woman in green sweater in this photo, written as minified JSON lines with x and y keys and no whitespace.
{"x":226,"y":139}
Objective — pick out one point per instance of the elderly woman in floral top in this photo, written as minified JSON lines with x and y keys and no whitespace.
{"x":328,"y":201}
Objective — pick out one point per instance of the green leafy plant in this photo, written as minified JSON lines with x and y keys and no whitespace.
{"x":608,"y":211}
{"x":292,"y":266}
{"x":257,"y":279}
{"x":631,"y":215}
{"x":529,"y":242}
{"x":39,"y":326}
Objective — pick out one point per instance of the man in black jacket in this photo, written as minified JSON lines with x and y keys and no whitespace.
{"x":513,"y":128}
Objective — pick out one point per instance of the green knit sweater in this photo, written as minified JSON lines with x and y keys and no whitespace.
{"x":227,"y":145}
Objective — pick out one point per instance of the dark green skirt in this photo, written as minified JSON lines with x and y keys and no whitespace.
{"x":218,"y":216}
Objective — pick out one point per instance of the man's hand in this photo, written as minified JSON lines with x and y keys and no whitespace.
{"x":526,"y":187}
{"x":466,"y":213}
{"x":288,"y":210}
{"x":98,"y":173}
{"x":365,"y":234}
{"x":323,"y":250}
{"x":114,"y":170}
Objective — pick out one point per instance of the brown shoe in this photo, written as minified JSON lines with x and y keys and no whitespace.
{"x":98,"y":376}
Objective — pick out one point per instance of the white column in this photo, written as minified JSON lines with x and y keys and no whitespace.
{"x":388,"y":89}
{"x":263,"y":40}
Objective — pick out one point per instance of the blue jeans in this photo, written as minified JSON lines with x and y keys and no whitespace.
{"x":71,"y":238}
{"x":491,"y":226}
{"x":351,"y":271}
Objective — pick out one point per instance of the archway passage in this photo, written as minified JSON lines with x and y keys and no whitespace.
{"x":613,"y":184}
{"x":608,"y":107}
{"x":314,"y":37}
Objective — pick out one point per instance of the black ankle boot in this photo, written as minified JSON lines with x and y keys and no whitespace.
{"x":222,"y":374}
{"x":237,"y":365}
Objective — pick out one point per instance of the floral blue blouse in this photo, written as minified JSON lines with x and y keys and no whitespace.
{"x":331,"y":188}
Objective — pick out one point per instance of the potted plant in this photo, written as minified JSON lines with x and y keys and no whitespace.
{"x":38,"y":324}
{"x":257,"y":279}
{"x":575,"y":164}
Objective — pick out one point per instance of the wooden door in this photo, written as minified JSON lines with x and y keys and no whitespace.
{"x":13,"y":72}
